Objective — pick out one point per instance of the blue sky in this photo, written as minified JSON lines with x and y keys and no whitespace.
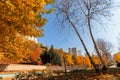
{"x":61,"y":38}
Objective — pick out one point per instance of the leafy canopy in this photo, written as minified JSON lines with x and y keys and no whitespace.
{"x":18,"y":19}
{"x":23,"y":16}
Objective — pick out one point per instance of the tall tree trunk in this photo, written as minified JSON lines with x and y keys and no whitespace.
{"x":104,"y":68}
{"x":76,"y":31}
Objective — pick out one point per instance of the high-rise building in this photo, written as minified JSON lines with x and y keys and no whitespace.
{"x":69,"y":50}
{"x":74,"y":51}
{"x":79,"y":52}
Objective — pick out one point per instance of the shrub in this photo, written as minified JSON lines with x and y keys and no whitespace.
{"x":118,"y":64}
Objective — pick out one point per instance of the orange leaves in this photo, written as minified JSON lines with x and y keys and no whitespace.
{"x":117,"y":57}
{"x":43,"y":2}
{"x":96,"y":59}
{"x":16,"y":49}
{"x":18,"y":19}
{"x":83,"y":61}
{"x":78,"y":61}
{"x":68,"y":59}
{"x":21,"y":13}
{"x":35,"y":55}
{"x":87,"y":61}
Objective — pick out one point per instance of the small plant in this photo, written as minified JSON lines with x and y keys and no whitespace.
{"x":48,"y":64}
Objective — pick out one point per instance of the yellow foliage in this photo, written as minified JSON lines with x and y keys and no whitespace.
{"x":20,"y":18}
{"x":68,"y":59}
{"x":78,"y":61}
{"x":82,"y":60}
{"x":95,"y":59}
{"x":23,"y":15}
{"x":87,"y":61}
{"x":18,"y":51}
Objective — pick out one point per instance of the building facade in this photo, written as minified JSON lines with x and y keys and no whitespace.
{"x":74,"y":51}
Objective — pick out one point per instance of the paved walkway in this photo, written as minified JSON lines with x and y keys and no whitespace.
{"x":20,"y":67}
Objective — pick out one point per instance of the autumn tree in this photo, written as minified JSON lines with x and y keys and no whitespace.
{"x":35,"y":56}
{"x":87,"y":61}
{"x":105,"y":49}
{"x":74,"y":60}
{"x":18,"y":52}
{"x":18,"y":19}
{"x":117,"y":58}
{"x":77,"y":60}
{"x":82,"y":61}
{"x":68,"y":59}
{"x":68,"y":15}
{"x":87,"y":13}
{"x":96,"y":59}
